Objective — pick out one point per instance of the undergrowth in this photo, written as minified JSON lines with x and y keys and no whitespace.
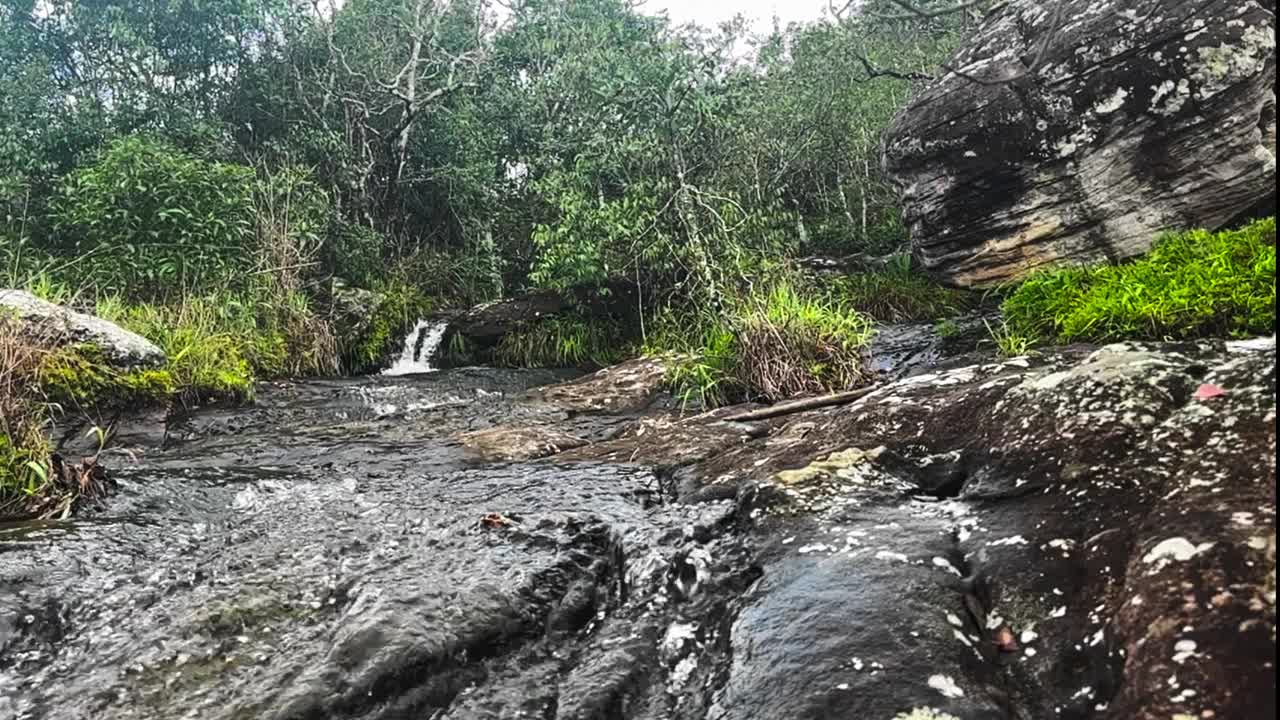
{"x":1192,"y":284}
{"x":898,"y":293}
{"x":374,"y":339}
{"x":771,"y":345}
{"x":570,"y":340}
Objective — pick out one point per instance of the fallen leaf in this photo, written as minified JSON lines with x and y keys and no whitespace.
{"x":1208,"y":390}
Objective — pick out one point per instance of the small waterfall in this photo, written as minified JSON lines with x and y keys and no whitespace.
{"x":420,"y":345}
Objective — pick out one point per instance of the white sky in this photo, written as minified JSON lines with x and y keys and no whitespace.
{"x":710,"y":12}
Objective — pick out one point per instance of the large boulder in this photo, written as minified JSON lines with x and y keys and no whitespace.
{"x":1086,"y":534}
{"x":1078,"y":131}
{"x":57,"y":326}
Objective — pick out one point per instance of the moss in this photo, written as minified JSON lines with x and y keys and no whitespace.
{"x":80,"y":376}
{"x":1192,"y":284}
{"x":401,"y":306}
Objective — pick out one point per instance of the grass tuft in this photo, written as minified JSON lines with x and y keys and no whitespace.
{"x":770,"y":346}
{"x":899,"y":294}
{"x":569,"y":340}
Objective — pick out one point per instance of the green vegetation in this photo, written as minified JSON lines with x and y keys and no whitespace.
{"x":570,"y":340}
{"x":270,"y":188}
{"x":770,"y":346}
{"x":148,"y":220}
{"x":375,"y":338}
{"x":900,"y":294}
{"x":1192,"y":284}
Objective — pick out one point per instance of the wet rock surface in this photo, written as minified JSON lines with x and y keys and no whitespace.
{"x":1078,"y":131}
{"x":1086,"y":534}
{"x":50,"y":324}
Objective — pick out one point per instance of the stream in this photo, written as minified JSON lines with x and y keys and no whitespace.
{"x":339,"y":549}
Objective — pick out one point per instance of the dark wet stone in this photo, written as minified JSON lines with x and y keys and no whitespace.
{"x":1078,"y":131}
{"x":335,"y":552}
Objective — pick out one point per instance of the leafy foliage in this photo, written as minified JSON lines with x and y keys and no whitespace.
{"x":148,"y":220}
{"x":1191,"y":284}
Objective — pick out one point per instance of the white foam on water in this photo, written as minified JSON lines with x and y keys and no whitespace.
{"x":420,"y":346}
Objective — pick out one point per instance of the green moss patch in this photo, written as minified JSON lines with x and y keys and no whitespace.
{"x":80,"y":376}
{"x":1192,"y":284}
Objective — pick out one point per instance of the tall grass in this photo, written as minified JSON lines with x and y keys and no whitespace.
{"x":1191,"y":284}
{"x":768,"y":345}
{"x":572,"y":340}
{"x":899,"y":293}
{"x":24,"y":451}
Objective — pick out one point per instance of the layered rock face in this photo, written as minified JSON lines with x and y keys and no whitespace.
{"x":1076,"y":132}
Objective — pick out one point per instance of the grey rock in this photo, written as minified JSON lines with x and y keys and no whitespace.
{"x":1137,"y":119}
{"x":353,"y":308}
{"x":488,"y":322}
{"x":59,"y":326}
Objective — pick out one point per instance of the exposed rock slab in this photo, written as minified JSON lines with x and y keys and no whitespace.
{"x":508,"y":444}
{"x":1095,"y":507}
{"x":632,"y":385}
{"x":1077,"y":131}
{"x":1086,"y":535}
{"x":58,"y":326}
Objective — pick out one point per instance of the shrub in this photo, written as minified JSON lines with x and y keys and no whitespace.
{"x":1191,"y":284}
{"x":292,"y":216}
{"x":354,"y":253}
{"x":150,"y":221}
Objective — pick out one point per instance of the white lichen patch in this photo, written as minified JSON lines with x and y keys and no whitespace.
{"x":1218,"y":68}
{"x":1112,"y":103}
{"x":946,"y":685}
{"x":1177,"y":549}
{"x":924,"y":714}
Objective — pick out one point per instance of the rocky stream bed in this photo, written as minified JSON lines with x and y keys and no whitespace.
{"x":1089,"y":533}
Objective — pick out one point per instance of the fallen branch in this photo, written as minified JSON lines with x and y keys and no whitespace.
{"x":795,"y":406}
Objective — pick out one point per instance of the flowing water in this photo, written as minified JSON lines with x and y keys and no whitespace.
{"x":326,"y":553}
{"x":420,"y":348}
{"x":336,"y":550}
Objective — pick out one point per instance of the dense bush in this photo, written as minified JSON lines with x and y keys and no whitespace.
{"x":354,"y":253}
{"x":1191,"y":284}
{"x":149,"y":221}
